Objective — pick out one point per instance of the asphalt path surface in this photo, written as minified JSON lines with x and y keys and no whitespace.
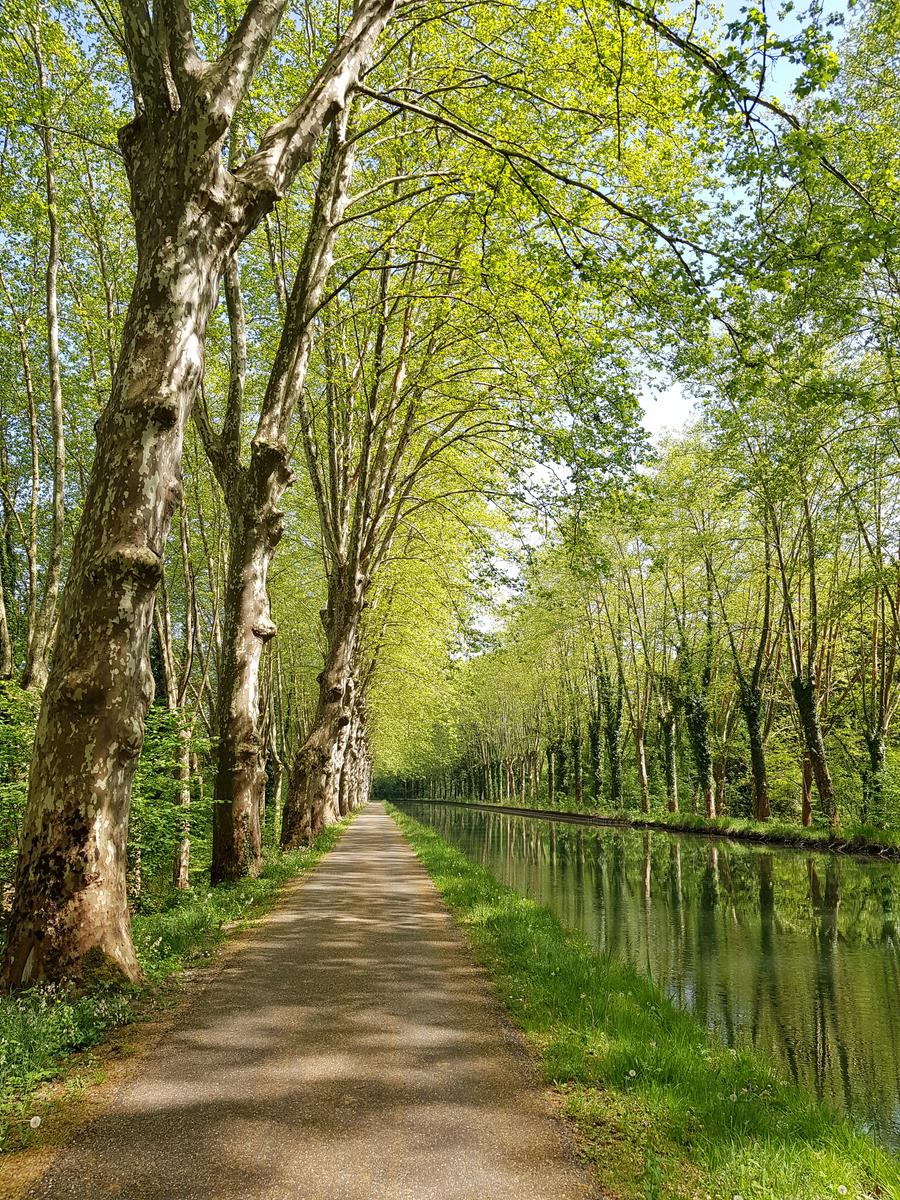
{"x":348,"y":1049}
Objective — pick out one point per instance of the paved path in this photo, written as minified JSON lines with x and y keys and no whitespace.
{"x":348,"y":1050}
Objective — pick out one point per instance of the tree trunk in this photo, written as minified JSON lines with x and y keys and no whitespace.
{"x":240,"y":777}
{"x":559,"y":750}
{"x":551,"y":776}
{"x":806,"y":800}
{"x":6,"y":650}
{"x":181,"y":869}
{"x":577,"y":772}
{"x":697,"y":710}
{"x":35,"y":674}
{"x":349,"y":771}
{"x":277,"y":781}
{"x":253,"y":494}
{"x":874,"y":775}
{"x":806,"y":699}
{"x":316,"y":768}
{"x":70,"y":911}
{"x":611,"y":730}
{"x":670,"y":758}
{"x":641,"y":757}
{"x":751,"y":706}
{"x":596,"y":755}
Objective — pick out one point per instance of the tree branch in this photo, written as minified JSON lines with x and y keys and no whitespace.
{"x":287,"y":145}
{"x":234,"y":71}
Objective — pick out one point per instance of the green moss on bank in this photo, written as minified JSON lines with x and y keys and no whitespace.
{"x":40,"y":1029}
{"x":662,"y":1109}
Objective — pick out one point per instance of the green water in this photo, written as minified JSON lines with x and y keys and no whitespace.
{"x":796,"y":953}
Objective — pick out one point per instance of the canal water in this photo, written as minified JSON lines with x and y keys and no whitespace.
{"x":796,"y":953}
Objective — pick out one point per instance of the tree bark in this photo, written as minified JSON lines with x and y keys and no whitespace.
{"x":596,"y":754}
{"x":640,"y":749}
{"x":577,"y":772}
{"x":751,"y":706}
{"x":667,"y":722}
{"x":316,"y":768}
{"x":806,"y":797}
{"x":697,"y":711}
{"x":612,"y":728}
{"x":35,"y":674}
{"x":806,"y":699}
{"x":247,"y":626}
{"x":874,"y":775}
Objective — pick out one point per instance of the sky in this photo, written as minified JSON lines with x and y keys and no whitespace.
{"x":667,"y":410}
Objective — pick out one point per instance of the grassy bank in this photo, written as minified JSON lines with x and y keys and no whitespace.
{"x":661,"y":1109}
{"x":41,"y":1029}
{"x":858,"y":839}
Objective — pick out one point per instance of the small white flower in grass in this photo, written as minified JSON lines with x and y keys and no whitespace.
{"x":35,"y":1122}
{"x":737,"y":1196}
{"x":842,"y":1189}
{"x":632,"y":1073}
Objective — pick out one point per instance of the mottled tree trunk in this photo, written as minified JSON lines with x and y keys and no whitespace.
{"x":670,"y":757}
{"x":354,"y":767}
{"x":640,"y":749}
{"x":316,"y":769}
{"x":551,"y":777}
{"x":253,"y":494}
{"x":240,"y":757}
{"x":182,"y":863}
{"x":806,"y":699}
{"x":751,"y":706}
{"x":70,"y":911}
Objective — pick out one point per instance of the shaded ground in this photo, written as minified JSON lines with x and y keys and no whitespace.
{"x":349,"y":1050}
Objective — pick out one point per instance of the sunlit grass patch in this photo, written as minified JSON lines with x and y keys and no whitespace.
{"x":662,"y":1108}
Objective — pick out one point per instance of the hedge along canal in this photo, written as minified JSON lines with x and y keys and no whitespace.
{"x":793,"y":954}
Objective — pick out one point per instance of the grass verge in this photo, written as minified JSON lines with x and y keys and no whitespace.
{"x":663,"y":1111}
{"x":43,"y":1028}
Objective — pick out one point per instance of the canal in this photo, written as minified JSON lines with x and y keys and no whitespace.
{"x":795,"y":953}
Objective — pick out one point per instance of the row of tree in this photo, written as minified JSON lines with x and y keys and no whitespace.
{"x":723,"y":629}
{"x":391,"y":259}
{"x":709,"y":638}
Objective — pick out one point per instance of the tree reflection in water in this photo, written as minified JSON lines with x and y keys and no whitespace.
{"x":798,"y":954}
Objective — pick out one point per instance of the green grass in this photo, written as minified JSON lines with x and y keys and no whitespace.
{"x":40,"y":1029}
{"x":662,"y":1109}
